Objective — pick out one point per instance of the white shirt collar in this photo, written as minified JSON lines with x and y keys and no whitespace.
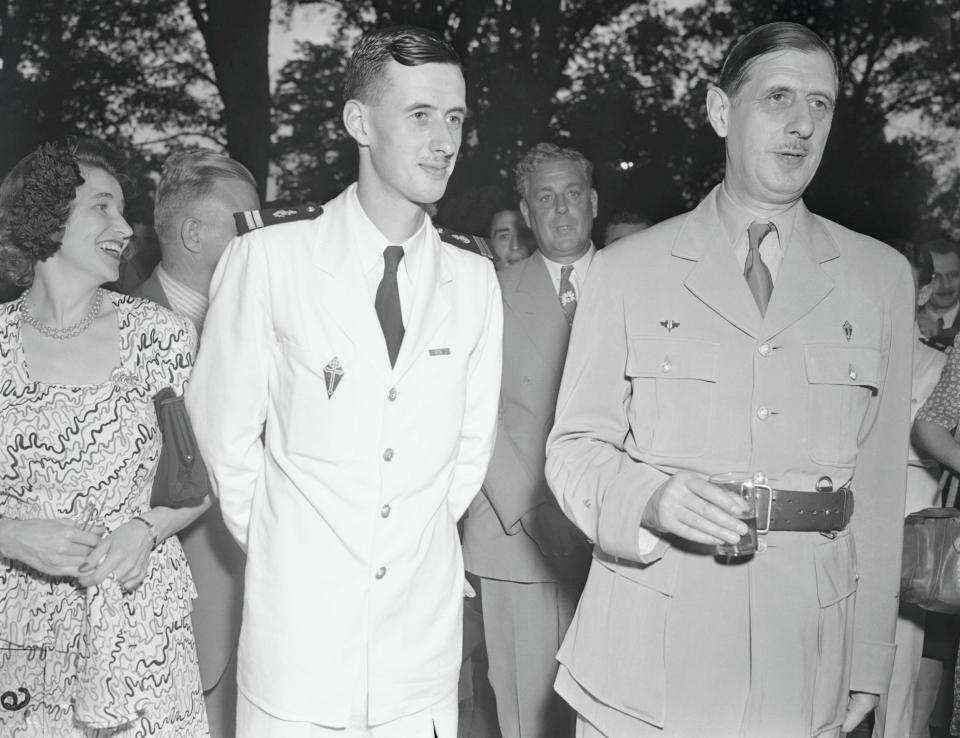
{"x":182,"y":298}
{"x":580,"y":268}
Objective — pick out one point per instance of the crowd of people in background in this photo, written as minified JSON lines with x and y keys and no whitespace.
{"x":383,"y":406}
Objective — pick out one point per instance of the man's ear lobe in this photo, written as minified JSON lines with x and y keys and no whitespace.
{"x":355,"y":120}
{"x":718,"y":110}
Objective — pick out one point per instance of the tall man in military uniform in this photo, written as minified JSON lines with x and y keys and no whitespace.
{"x":750,"y":336}
{"x":345,"y":402}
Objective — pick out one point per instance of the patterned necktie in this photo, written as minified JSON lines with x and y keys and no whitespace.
{"x":754,"y":270}
{"x":387,"y":302}
{"x":568,"y":296}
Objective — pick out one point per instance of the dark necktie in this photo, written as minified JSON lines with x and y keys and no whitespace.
{"x":754,"y":270}
{"x":568,"y":296}
{"x":387,"y":302}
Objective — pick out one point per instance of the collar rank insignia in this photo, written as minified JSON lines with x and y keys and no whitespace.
{"x":332,"y":374}
{"x":669,"y":324}
{"x":847,"y":330}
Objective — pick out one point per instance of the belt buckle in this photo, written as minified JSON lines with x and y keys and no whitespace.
{"x":765,"y":528}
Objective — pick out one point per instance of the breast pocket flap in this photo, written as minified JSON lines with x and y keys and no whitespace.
{"x":678,"y":358}
{"x":842,"y":365}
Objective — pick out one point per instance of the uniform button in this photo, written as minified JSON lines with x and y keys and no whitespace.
{"x":381,"y":572}
{"x":385,"y":511}
{"x":763,"y":412}
{"x":392,"y":394}
{"x":666,"y":366}
{"x":853,"y":373}
{"x":388,"y":454}
{"x":764,"y":349}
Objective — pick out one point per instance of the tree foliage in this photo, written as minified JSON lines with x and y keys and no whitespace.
{"x":100,"y":68}
{"x":235,"y":33}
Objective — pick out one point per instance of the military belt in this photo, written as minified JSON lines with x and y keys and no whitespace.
{"x":780,"y":509}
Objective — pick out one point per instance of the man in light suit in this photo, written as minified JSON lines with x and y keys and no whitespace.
{"x":193,"y":216}
{"x":345,"y":401}
{"x":532,"y":561}
{"x":748,"y":336}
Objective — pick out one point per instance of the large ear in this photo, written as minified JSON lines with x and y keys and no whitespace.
{"x":593,"y":201}
{"x":718,"y":110}
{"x":355,"y":120}
{"x":190,"y":235}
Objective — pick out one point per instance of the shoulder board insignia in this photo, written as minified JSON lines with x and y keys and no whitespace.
{"x":250,"y":220}
{"x":466,"y":241}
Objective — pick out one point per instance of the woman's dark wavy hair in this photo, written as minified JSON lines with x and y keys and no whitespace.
{"x":35,"y":201}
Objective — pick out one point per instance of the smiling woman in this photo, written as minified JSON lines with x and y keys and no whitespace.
{"x":92,"y":586}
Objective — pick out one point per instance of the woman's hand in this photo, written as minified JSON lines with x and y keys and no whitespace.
{"x":122,"y":555}
{"x":51,"y":546}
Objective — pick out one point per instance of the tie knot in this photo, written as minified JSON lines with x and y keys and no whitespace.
{"x":391,"y":259}
{"x":565,"y":271}
{"x":757,"y":231}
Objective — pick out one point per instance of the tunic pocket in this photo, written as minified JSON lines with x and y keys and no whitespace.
{"x":835,"y":565}
{"x":841,"y":382}
{"x":616,"y":644}
{"x":672,"y":382}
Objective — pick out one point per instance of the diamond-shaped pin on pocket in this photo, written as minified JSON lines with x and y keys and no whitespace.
{"x":332,"y":374}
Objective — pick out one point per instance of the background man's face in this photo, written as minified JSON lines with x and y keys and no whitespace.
{"x":505,"y":228}
{"x":777,"y":127}
{"x":414,"y":129}
{"x":946,"y":281}
{"x":559,"y":206}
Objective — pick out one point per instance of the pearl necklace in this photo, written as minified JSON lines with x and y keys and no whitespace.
{"x":62,"y":334}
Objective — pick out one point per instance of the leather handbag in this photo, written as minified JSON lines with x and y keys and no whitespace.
{"x":181,"y":474}
{"x":930,"y":572}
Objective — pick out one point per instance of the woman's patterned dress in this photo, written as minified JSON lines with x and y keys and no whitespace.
{"x":94,"y":662}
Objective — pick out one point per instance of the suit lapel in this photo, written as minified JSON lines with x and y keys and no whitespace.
{"x":430,"y":307}
{"x":341,"y":295}
{"x":717,"y":279}
{"x":152,"y":290}
{"x":801,"y":283}
{"x":537,"y":307}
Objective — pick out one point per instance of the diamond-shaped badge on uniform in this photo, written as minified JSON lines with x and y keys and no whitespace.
{"x":332,"y":374}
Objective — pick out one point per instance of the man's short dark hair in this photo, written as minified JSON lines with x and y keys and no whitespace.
{"x":544,"y":152}
{"x":407,"y":45}
{"x":943,"y":246}
{"x":767,"y":39}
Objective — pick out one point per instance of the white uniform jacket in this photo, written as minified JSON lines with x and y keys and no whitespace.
{"x":347,"y":503}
